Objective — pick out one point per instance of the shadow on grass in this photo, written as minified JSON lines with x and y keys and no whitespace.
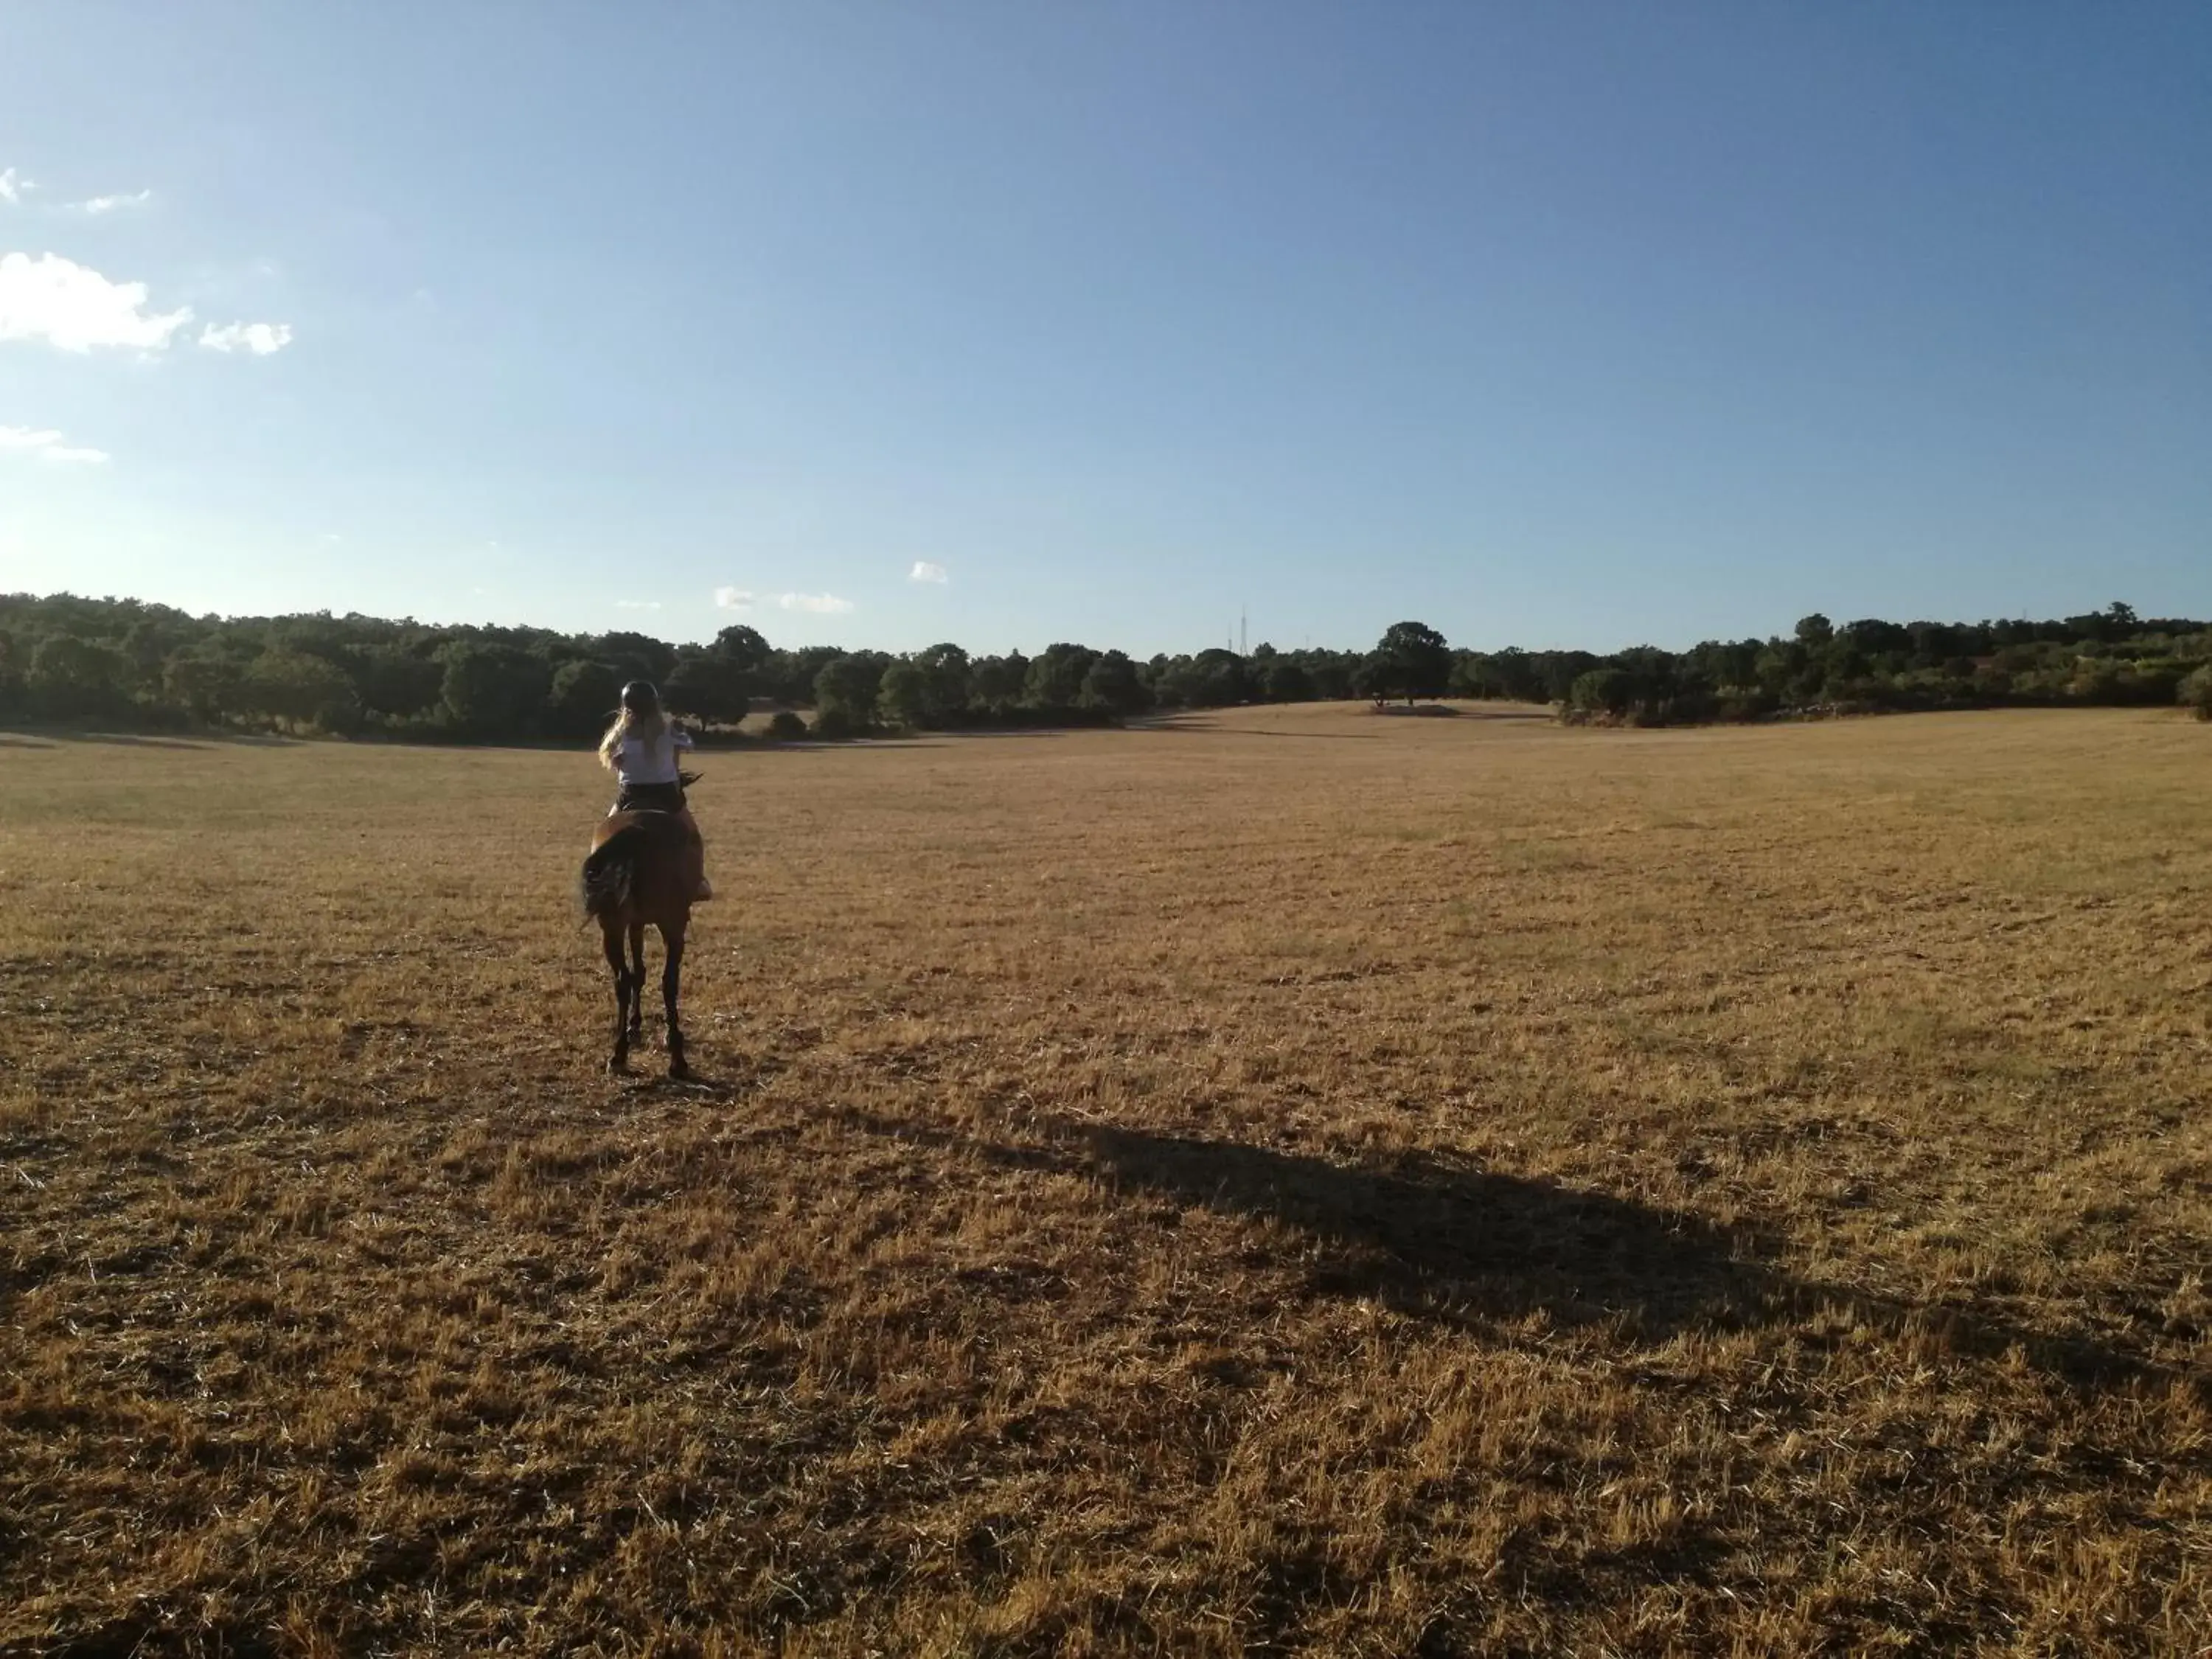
{"x":1191,"y":727}
{"x":1442,"y":1242}
{"x":1450,"y":1243}
{"x":59,"y":737}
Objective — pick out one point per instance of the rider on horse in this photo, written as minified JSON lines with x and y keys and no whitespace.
{"x":640,"y":749}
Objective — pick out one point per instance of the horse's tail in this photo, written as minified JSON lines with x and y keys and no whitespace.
{"x":610,"y":871}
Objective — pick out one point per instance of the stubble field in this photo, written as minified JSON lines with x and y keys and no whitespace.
{"x":1295,"y":1181}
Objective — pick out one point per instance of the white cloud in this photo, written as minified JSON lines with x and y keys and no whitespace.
{"x":12,"y":187}
{"x":744,"y":598}
{"x":76,"y":309}
{"x":100,"y":204}
{"x":47,"y":446}
{"x":928,"y":570}
{"x":637,"y":604}
{"x":260,"y":338}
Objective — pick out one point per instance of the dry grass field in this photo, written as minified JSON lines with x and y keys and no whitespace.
{"x":1293,"y":1181}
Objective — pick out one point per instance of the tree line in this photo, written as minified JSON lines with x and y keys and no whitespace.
{"x":124,"y":662}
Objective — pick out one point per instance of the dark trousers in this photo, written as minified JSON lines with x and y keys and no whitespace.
{"x":650,"y":798}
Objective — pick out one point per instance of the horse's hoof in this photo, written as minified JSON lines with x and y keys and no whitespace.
{"x":617,"y":1065}
{"x":678,"y":1070}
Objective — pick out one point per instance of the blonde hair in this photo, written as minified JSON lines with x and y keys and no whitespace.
{"x":646,"y":728}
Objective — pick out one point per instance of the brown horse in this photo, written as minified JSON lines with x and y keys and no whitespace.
{"x":643,"y":872}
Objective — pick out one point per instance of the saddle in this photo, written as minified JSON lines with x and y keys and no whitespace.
{"x":655,"y":797}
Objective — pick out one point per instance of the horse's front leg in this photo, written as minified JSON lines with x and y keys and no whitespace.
{"x":672,"y":977}
{"x":636,"y":979}
{"x":619,"y":1060}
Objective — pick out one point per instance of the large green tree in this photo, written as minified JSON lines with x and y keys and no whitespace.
{"x":493,"y":690}
{"x":72,"y":678}
{"x":1055,"y":677}
{"x":1111,"y":683}
{"x":1411,"y":660}
{"x":582,"y":703}
{"x":845,"y":693}
{"x":296,"y":689}
{"x":903,"y":698}
{"x":706,"y":685}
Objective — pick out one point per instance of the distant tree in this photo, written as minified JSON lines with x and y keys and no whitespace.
{"x":64,"y":656}
{"x":336,"y":640}
{"x":1175,"y":681}
{"x":789,"y":676}
{"x":1284,"y":679}
{"x":949,"y":680}
{"x":493,"y":690}
{"x":296,"y":689}
{"x":12,"y":690}
{"x":996,"y":684}
{"x":634,"y":656}
{"x":1603,"y":691}
{"x":1514,"y":675}
{"x":1411,"y":660}
{"x":703,"y":685}
{"x":1111,"y":683}
{"x":1220,"y":678}
{"x":1932,"y":643}
{"x":151,"y":640}
{"x":904,"y":696}
{"x":1056,"y":678}
{"x":845,"y":693}
{"x":582,"y":700}
{"x":742,"y":647}
{"x":400,"y":682}
{"x":1873,"y":637}
{"x":1332,"y":672}
{"x":784,"y":726}
{"x":72,"y":677}
{"x":206,"y":684}
{"x":2195,"y":693}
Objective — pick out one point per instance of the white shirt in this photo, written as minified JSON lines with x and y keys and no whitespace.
{"x":641,"y":762}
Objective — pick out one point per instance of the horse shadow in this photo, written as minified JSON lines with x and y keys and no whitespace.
{"x":1446,"y":1243}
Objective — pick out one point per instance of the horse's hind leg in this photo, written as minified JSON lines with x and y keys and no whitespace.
{"x":672,"y":979}
{"x":636,"y":979}
{"x":625,"y":995}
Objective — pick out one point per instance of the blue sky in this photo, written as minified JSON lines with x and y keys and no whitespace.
{"x":1592,"y":324}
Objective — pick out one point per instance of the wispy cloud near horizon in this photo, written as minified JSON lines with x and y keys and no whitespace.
{"x":100,"y":204}
{"x":820,"y":604}
{"x":928,"y":570}
{"x":47,"y":446}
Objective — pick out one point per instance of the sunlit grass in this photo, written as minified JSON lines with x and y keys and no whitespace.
{"x":1305,"y":1182}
